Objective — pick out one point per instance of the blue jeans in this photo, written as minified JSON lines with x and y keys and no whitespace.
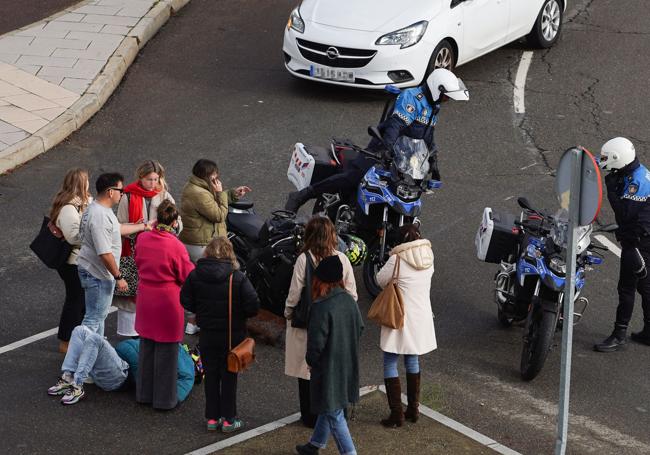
{"x":98,"y":296}
{"x":411,"y":363}
{"x":333,"y":422}
{"x":89,"y":354}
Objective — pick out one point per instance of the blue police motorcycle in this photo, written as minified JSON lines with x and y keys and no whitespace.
{"x":529,"y":286}
{"x":388,"y":196}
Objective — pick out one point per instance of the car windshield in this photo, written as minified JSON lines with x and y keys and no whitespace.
{"x":411,"y":157}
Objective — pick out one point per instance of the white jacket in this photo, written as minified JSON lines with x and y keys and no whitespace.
{"x":68,"y":221}
{"x":418,"y":335}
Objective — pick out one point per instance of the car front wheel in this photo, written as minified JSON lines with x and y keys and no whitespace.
{"x":443,"y":56}
{"x":546,"y":30}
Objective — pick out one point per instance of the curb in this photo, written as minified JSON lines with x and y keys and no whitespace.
{"x":97,"y":93}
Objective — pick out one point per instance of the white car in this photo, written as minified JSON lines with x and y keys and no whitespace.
{"x":371,"y":43}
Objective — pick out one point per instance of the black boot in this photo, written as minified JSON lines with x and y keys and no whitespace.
{"x":615,"y":342}
{"x":297,"y":198}
{"x":307,"y":449}
{"x":413,"y":394}
{"x":643,"y":336}
{"x":306,"y":416}
{"x":394,"y":395}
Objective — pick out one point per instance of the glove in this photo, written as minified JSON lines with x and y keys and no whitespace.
{"x":639,"y":267}
{"x":433,"y":166}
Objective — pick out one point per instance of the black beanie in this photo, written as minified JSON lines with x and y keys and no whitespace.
{"x":330,"y":270}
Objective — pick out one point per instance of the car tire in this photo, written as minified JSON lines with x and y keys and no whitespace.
{"x":443,"y":56}
{"x":548,"y":25}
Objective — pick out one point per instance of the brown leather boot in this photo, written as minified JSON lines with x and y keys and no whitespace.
{"x":413,"y":394}
{"x":63,"y":347}
{"x":394,"y":395}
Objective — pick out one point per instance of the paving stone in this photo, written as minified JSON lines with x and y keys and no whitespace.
{"x":30,"y":102}
{"x":13,"y":114}
{"x":126,"y":3}
{"x":4,"y":103}
{"x":53,"y":79}
{"x":95,"y":37}
{"x":94,"y":9}
{"x":7,"y":89}
{"x":46,"y":61}
{"x":40,"y":31}
{"x":71,"y":17}
{"x":9,"y":58}
{"x":31,"y":69}
{"x":83,"y":69}
{"x":68,"y":101}
{"x":50,"y":114}
{"x":94,"y":52}
{"x":73,"y":26}
{"x":112,"y":20}
{"x":12,"y":138}
{"x":33,"y":84}
{"x":116,"y":30}
{"x":70,"y":42}
{"x":32,"y":126}
{"x":3,"y":146}
{"x":7,"y":128}
{"x":4,"y":67}
{"x":76,"y":85}
{"x":133,"y":11}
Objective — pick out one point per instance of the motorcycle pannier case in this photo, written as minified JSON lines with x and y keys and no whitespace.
{"x":496,"y":238}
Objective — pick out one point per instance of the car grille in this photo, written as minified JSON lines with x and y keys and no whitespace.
{"x":343,"y":57}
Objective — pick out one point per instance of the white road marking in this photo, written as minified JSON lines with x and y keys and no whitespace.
{"x":520,"y":82}
{"x":38,"y":336}
{"x":609,"y":244}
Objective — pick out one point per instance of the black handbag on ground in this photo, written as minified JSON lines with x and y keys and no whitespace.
{"x":300,"y":317}
{"x":50,"y":246}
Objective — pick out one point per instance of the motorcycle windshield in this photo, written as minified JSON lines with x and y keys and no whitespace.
{"x":411,"y":157}
{"x":560,"y":232}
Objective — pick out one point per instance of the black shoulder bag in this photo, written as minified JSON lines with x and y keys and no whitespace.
{"x":300,"y":317}
{"x":50,"y":245}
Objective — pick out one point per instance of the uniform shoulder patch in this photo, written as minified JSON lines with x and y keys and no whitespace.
{"x":633,"y":188}
{"x":419,"y":96}
{"x":410,"y":108}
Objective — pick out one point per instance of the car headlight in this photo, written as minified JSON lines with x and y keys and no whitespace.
{"x":296,"y":22}
{"x":557,"y":265}
{"x":405,"y":37}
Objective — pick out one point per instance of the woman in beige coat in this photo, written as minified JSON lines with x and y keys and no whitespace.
{"x":413,"y":260}
{"x":320,"y":242}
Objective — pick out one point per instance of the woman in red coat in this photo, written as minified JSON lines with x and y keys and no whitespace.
{"x":163,"y":264}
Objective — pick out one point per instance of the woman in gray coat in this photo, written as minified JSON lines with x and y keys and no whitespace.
{"x":335,"y":326}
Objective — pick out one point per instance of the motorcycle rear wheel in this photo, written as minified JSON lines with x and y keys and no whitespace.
{"x":537,"y":343}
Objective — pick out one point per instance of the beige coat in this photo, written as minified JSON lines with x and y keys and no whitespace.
{"x":416,"y":269}
{"x":296,"y":340}
{"x":68,"y":221}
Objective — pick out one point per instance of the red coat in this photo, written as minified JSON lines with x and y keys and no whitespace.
{"x":163,"y":264}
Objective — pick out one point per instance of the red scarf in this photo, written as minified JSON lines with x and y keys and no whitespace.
{"x":137,"y":194}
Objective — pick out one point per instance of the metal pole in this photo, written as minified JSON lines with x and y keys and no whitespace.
{"x":569,"y":295}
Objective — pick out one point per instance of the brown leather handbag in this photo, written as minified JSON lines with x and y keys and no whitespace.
{"x":388,"y":307}
{"x":243,"y":355}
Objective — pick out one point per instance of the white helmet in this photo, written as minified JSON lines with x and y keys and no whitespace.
{"x":443,"y":82}
{"x":616,"y":154}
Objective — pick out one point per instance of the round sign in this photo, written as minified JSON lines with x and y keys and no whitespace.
{"x":591,"y":187}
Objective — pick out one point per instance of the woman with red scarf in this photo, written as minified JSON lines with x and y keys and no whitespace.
{"x":139,"y":204}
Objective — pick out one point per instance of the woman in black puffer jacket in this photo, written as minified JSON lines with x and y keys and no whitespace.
{"x":205,"y":293}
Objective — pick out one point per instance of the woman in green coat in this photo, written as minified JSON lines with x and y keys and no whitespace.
{"x":335,"y":326}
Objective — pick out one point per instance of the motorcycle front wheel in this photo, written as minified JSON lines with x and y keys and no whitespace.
{"x":537,"y":342}
{"x":372,"y":265}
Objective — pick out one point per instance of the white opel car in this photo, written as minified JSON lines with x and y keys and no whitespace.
{"x":371,"y":43}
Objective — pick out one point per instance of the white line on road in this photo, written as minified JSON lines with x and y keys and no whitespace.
{"x":609,"y":244}
{"x":520,"y":82}
{"x":33,"y":338}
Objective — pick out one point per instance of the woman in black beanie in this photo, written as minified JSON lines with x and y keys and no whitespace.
{"x":335,"y":326}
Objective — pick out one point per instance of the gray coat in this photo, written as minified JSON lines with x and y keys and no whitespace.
{"x":335,"y":326}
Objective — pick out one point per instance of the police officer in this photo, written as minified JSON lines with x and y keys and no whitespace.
{"x":414,"y":115}
{"x":628,"y":191}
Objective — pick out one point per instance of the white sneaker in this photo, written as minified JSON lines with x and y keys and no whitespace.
{"x":192,"y":329}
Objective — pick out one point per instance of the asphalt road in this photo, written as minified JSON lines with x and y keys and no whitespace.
{"x":18,"y":13}
{"x":211,"y":84}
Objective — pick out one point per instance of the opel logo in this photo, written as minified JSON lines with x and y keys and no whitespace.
{"x":332,"y":53}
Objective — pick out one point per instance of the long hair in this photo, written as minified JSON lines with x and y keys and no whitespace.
{"x":204,"y":169}
{"x":321,"y":289}
{"x":320,"y":238}
{"x":221,"y":248}
{"x":75,"y":186}
{"x":149,"y":166}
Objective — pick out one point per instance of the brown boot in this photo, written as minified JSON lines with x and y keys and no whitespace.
{"x":394,"y":395}
{"x":413,"y":394}
{"x":63,"y":347}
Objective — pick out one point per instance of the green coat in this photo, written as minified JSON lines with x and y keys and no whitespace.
{"x":335,"y":326}
{"x":203,"y":213}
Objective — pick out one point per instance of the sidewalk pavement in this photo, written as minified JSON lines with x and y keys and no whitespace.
{"x":432,"y":434}
{"x":57,"y":73}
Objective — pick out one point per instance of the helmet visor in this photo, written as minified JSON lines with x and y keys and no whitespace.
{"x":462,"y":94}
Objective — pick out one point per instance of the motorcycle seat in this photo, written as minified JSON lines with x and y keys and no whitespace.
{"x":246,"y":224}
{"x":241,"y":205}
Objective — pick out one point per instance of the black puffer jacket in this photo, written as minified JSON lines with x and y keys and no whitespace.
{"x":205,"y":293}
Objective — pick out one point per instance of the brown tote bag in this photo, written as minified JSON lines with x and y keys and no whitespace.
{"x":243,"y":355}
{"x":388,"y":307}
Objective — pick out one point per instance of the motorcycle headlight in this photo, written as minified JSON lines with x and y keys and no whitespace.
{"x":557,"y":265}
{"x":404,"y":192}
{"x":405,"y":37}
{"x":296,"y":22}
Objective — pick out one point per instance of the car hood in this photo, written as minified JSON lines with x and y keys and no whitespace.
{"x":369,"y":15}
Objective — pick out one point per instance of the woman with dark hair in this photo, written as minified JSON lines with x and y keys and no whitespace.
{"x":204,"y":207}
{"x":206,"y":293}
{"x":412,"y":260}
{"x":163,"y":265}
{"x":139,"y":204}
{"x":334,"y":330}
{"x":69,"y":203}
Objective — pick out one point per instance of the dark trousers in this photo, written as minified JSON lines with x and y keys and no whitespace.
{"x":74,"y":306}
{"x":344,"y":183}
{"x":157,"y":374}
{"x":220,"y":384}
{"x":628,"y":285}
{"x":307,"y":417}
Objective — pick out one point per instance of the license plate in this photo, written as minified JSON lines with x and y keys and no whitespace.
{"x":333,"y":74}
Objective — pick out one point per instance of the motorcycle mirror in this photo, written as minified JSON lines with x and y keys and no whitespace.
{"x":608,"y":228}
{"x":524,"y":204}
